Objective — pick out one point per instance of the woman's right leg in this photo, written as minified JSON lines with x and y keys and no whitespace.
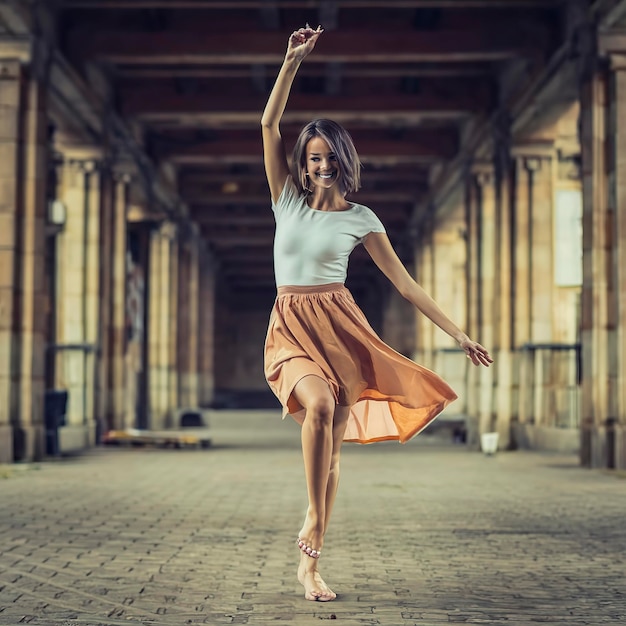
{"x":314,"y":394}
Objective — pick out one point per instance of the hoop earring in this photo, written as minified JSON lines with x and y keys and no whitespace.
{"x":306,"y":188}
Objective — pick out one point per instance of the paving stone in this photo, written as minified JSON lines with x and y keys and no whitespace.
{"x":421,"y":534}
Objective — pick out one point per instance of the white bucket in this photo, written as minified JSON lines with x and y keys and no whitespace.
{"x":489,"y":443}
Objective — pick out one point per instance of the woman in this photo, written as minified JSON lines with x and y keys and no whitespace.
{"x":327,"y":366}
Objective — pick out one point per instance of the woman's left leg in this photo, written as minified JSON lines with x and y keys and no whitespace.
{"x":340,"y":422}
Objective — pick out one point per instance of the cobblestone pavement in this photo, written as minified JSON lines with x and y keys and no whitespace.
{"x":422,"y":534}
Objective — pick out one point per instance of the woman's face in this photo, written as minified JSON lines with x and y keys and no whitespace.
{"x":321,"y":164}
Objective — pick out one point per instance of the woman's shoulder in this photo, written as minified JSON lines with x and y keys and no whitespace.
{"x":367,"y":217}
{"x":289,"y":195}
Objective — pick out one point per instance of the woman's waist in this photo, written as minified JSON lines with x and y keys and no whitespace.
{"x":284,"y":290}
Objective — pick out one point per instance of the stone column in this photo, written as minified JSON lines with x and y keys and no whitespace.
{"x":118,"y":302}
{"x":472,"y":281}
{"x":449,"y":291}
{"x":104,"y":397}
{"x":33,"y":298}
{"x":617,"y":278}
{"x":193,"y":321}
{"x":23,"y":142}
{"x":424,"y":271}
{"x":522,"y":400}
{"x":542,"y":280}
{"x":504,"y":297}
{"x":594,"y":315}
{"x":398,"y":328}
{"x":183,"y":343}
{"x":534,"y":285}
{"x":487,"y":292}
{"x":10,"y":113}
{"x":78,"y":287}
{"x":162,"y":331}
{"x":173,"y":401}
{"x":206,"y":329}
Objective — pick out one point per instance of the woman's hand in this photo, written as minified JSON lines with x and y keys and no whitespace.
{"x":475,"y":352}
{"x":301,"y":43}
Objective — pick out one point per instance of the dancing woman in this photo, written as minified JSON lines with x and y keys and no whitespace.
{"x":323,"y":360}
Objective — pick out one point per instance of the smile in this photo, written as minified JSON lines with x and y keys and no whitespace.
{"x":327,"y":176}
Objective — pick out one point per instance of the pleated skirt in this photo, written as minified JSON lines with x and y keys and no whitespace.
{"x":320,"y":331}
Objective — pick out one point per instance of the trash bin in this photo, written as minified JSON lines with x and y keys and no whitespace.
{"x":55,"y":407}
{"x":191,"y":419}
{"x":489,"y":443}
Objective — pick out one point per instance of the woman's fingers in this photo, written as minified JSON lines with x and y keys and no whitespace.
{"x":478,"y":355}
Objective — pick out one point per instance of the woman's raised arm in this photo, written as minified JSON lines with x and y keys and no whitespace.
{"x":301,"y":43}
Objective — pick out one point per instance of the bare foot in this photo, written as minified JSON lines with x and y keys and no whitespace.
{"x":315,"y":588}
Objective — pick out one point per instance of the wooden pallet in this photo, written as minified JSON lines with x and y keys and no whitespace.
{"x":133,"y":437}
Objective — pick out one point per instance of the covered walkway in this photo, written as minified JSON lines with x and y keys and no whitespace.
{"x":136,"y":233}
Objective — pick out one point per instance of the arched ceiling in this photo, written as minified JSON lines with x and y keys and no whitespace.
{"x":405,"y":77}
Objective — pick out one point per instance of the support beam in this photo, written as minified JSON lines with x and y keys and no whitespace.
{"x":368,"y":198}
{"x":237,"y":48}
{"x":155,"y":104}
{"x":297,"y":4}
{"x":423,"y":147}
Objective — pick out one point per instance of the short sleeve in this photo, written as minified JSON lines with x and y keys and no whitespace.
{"x":287,"y":197}
{"x":375,"y":225}
{"x":371,"y":224}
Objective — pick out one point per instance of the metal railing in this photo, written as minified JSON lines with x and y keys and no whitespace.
{"x":549,"y":378}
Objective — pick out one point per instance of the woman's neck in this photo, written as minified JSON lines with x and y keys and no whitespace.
{"x":333,"y":201}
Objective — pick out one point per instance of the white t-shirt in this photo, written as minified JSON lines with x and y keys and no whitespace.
{"x":312,"y":247}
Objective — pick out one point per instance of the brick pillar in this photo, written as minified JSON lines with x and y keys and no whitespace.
{"x":23,"y":142}
{"x":78,"y":287}
{"x":594,"y":315}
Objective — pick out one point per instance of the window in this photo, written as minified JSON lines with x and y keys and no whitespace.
{"x":568,"y":238}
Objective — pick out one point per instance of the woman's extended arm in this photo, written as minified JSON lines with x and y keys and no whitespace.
{"x":385,"y":257}
{"x":300,"y":44}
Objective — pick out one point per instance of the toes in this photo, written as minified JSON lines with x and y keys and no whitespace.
{"x":326,"y":596}
{"x":313,"y":595}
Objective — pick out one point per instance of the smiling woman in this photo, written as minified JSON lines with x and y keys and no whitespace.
{"x":323,"y":360}
{"x":325,"y":150}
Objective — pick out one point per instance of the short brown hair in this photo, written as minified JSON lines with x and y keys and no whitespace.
{"x":340,"y":142}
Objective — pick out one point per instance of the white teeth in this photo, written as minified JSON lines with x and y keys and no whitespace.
{"x":325,"y":175}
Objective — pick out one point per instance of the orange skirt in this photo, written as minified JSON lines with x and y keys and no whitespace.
{"x":320,"y":331}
